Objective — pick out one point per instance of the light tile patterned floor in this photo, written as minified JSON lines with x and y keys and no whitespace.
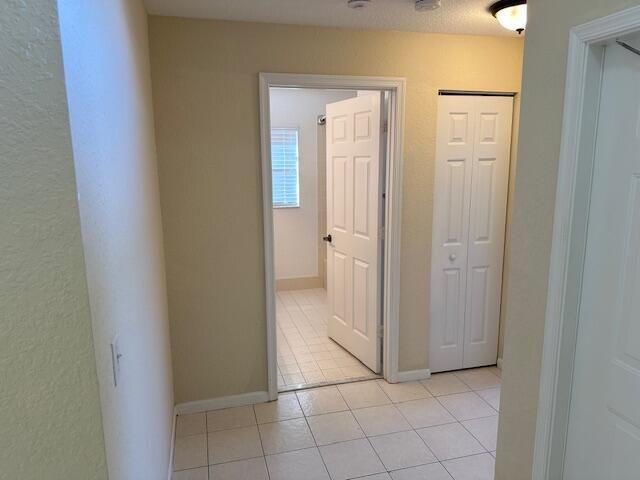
{"x":442,"y":428}
{"x":306,"y":355}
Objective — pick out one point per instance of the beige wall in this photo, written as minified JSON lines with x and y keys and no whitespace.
{"x":49,"y":403}
{"x":542,"y":103}
{"x":110,"y":107}
{"x":205,"y":86}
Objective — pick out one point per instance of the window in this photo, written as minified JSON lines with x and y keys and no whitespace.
{"x":284,"y":167}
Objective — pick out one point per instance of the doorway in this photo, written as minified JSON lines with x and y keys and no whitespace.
{"x":327,"y":170}
{"x":331,"y":300}
{"x":588,"y":425}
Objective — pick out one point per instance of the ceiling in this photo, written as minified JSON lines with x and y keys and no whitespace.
{"x":455,"y":16}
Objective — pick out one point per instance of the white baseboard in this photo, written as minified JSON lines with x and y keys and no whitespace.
{"x":173,"y":443}
{"x":413,"y":375}
{"x":222,"y":402}
{"x":499,"y":363}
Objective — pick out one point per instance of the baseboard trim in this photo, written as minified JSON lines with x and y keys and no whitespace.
{"x":301,"y":283}
{"x":222,"y":402}
{"x":173,"y":443}
{"x":413,"y":375}
{"x":499,"y":363}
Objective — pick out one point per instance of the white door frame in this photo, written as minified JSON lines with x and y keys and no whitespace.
{"x":391,"y":262}
{"x":582,"y":95}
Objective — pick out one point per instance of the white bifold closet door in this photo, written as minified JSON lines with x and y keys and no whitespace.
{"x":472,"y":175}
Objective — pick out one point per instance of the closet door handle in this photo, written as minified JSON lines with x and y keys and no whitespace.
{"x":452,"y":257}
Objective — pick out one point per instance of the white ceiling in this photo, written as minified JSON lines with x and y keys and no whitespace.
{"x":455,"y":16}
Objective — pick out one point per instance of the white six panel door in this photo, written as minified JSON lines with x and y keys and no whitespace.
{"x":472,"y":174}
{"x":603,"y":439}
{"x":353,"y":196}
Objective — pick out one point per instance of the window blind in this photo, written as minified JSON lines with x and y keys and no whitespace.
{"x":284,"y":167}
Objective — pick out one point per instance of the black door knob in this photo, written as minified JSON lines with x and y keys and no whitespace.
{"x":327,"y":238}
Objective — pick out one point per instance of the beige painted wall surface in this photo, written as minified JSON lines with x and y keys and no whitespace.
{"x":205,"y":86}
{"x":110,"y":107}
{"x":542,"y":104}
{"x":49,"y":406}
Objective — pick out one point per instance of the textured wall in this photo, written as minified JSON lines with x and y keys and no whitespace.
{"x":50,"y":424}
{"x":205,"y":86}
{"x":106,"y":60}
{"x":545,"y":64}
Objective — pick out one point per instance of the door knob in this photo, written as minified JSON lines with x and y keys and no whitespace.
{"x":452,"y":257}
{"x":327,"y":238}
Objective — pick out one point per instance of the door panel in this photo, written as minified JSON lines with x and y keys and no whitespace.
{"x":603,"y":439}
{"x":488,"y":212}
{"x":454,"y":156}
{"x":353,"y":200}
{"x":472,"y":168}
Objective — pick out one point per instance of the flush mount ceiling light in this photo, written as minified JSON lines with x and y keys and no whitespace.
{"x":512,"y":14}
{"x":427,"y":5}
{"x":356,"y":4}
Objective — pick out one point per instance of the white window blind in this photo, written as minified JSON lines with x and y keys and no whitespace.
{"x":284,"y":167}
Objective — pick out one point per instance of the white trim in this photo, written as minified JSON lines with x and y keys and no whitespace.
{"x":173,"y":443}
{"x":499,"y":363}
{"x":582,"y":89}
{"x":413,"y":375}
{"x":390,"y":315}
{"x":219,"y":403}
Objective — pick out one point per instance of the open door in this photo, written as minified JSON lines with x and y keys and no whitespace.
{"x":354,"y":129}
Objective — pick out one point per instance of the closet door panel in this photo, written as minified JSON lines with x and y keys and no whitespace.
{"x":488,"y":207}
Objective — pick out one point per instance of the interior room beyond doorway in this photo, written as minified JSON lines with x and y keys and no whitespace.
{"x":306,"y":353}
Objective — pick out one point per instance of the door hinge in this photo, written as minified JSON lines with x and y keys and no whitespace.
{"x":385,"y":126}
{"x":381,"y":233}
{"x":380,"y":331}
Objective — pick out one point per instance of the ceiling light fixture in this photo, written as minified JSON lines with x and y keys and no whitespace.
{"x":357,"y":4}
{"x":512,"y":14}
{"x":427,"y":5}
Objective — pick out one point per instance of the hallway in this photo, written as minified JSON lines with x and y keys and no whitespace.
{"x":442,"y":428}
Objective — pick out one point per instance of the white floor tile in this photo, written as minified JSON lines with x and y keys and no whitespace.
{"x":351,"y":460}
{"x":230,"y":418}
{"x":192,"y":424}
{"x":289,"y":369}
{"x":191,"y":474}
{"x":466,"y":406}
{"x":252,"y":469}
{"x":293,"y":378}
{"x":404,"y":392}
{"x":280,"y":437}
{"x":479,"y":378}
{"x":285,"y":408}
{"x":444,"y":384}
{"x":314,"y":377}
{"x":377,"y":476}
{"x":485,"y":430}
{"x":190,"y":452}
{"x":333,"y":374}
{"x":363,"y":394}
{"x":425,"y":413}
{"x":321,"y":400}
{"x":491,"y":396}
{"x":450,"y":441}
{"x":477,"y":467}
{"x":433,"y":471}
{"x":381,"y":420}
{"x":236,"y":444}
{"x":301,"y":464}
{"x":402,"y":450}
{"x":334,"y":427}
